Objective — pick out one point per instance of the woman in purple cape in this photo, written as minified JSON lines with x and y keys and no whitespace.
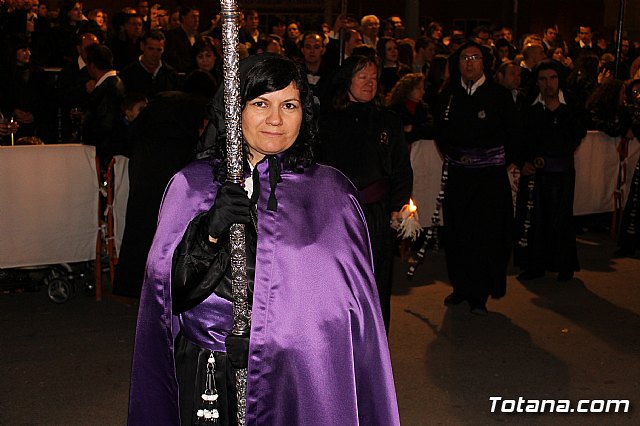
{"x":317,"y":353}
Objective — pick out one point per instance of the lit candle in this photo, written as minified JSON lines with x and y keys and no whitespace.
{"x":409,"y":226}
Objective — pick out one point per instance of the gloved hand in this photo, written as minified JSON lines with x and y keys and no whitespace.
{"x":232,"y":205}
{"x":237,"y":350}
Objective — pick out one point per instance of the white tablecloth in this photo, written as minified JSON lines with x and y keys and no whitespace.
{"x":596,"y":161}
{"x":48,"y":204}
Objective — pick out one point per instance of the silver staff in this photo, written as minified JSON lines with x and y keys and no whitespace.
{"x":233,"y":117}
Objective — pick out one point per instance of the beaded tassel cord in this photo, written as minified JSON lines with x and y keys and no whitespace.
{"x":432,"y":232}
{"x":635,"y":189}
{"x":524,"y":240}
{"x":208,"y":413}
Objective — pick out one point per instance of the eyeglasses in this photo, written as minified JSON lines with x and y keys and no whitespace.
{"x":473,"y":58}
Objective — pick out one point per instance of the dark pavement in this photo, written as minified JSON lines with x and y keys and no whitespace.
{"x":69,"y":364}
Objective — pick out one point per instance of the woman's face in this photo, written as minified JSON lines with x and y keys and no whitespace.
{"x":206,"y":60}
{"x":364,"y":84}
{"x":558,"y":54}
{"x":417,"y":93}
{"x":436,"y":34}
{"x":271,"y":122}
{"x":23,"y":56}
{"x":391,"y":51}
{"x":99,"y":19}
{"x":75,"y":14}
{"x":293,"y":31}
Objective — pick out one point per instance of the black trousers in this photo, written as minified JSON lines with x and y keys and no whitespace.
{"x":382,"y":238}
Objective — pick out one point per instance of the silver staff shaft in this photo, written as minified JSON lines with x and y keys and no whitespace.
{"x":233,"y":118}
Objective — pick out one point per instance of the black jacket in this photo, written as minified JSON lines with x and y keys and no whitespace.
{"x":367,"y":144}
{"x":137,"y":79}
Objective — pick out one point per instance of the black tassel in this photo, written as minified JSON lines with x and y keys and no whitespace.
{"x":208,"y":413}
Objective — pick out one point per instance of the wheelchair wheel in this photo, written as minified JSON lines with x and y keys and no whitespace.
{"x":59,"y":290}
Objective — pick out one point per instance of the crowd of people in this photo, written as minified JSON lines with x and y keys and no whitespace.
{"x":378,"y":93}
{"x":110,"y":69}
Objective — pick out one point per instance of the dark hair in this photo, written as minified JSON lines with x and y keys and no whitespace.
{"x":153,"y":35}
{"x":365,"y":50}
{"x":132,"y":98}
{"x":433,"y":26}
{"x":501,"y":43}
{"x":100,"y":56}
{"x":203,"y":43}
{"x":630,"y":87}
{"x":201,"y":83}
{"x":185,"y":10}
{"x":342,"y":80}
{"x":382,"y":45}
{"x":548,"y":64}
{"x":422,"y":43}
{"x":267,"y":73}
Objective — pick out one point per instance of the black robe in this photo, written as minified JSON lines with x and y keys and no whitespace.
{"x":551,"y":137}
{"x":164,"y":139}
{"x":367,"y":144}
{"x":478,"y":208}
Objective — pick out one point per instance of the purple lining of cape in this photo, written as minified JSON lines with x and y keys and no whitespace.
{"x":318,"y":351}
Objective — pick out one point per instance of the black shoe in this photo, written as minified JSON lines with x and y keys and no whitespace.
{"x":480,"y":310}
{"x":454,"y":299}
{"x":565,"y":276}
{"x":530,"y":275}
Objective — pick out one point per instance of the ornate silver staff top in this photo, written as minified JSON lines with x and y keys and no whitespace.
{"x":235,"y":167}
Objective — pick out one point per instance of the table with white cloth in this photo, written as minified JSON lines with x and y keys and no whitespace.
{"x":48,"y":205}
{"x":597,"y":164}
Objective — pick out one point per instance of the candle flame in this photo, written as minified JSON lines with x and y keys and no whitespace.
{"x":412,"y":207}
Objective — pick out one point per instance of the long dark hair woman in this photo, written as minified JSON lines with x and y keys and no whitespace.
{"x":23,"y":89}
{"x":391,"y":69}
{"x":315,"y":319}
{"x":206,"y":57}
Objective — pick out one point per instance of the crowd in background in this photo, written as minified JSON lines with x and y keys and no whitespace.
{"x":154,"y":49}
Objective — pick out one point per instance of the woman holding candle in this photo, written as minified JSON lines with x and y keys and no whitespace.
{"x":317,"y":353}
{"x":366,"y":142}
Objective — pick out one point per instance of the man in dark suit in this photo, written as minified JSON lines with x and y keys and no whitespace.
{"x":75,"y":86}
{"x":103,"y":124}
{"x":149,"y":75}
{"x":584,"y":44}
{"x":126,"y":47}
{"x":179,"y":40}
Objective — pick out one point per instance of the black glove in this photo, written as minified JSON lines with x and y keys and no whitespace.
{"x":232,"y":206}
{"x":237,"y":350}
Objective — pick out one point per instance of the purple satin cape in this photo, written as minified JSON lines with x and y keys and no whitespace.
{"x":318,"y":351}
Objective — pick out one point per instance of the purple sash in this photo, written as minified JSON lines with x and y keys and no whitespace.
{"x":477,"y":157}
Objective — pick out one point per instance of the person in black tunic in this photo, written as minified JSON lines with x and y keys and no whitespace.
{"x":545,"y":237}
{"x":366,"y":142}
{"x":476,"y":130}
{"x":164,"y":139}
{"x":629,"y":239}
